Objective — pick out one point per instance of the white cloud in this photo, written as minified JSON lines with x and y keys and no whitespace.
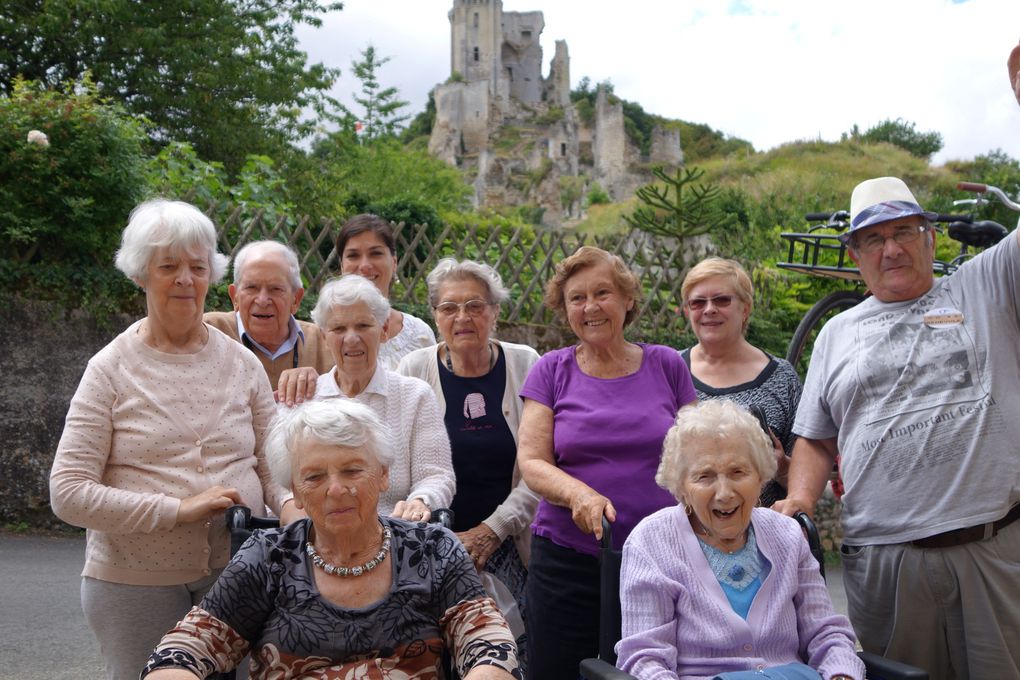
{"x":769,"y":71}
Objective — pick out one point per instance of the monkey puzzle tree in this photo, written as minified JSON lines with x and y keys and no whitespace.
{"x":679,"y":207}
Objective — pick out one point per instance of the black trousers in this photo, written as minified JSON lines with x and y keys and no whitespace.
{"x":563,"y":610}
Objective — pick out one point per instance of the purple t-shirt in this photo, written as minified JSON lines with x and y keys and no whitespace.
{"x":608,"y":433}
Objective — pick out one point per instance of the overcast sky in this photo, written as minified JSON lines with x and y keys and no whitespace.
{"x":769,"y":71}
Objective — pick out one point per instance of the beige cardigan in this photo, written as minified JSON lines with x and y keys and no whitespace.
{"x":146,"y":429}
{"x":514,"y":515}
{"x":313,"y":351}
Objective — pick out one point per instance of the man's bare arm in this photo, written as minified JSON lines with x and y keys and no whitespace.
{"x":811,"y":464}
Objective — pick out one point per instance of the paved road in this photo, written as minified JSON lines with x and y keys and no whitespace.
{"x":43,"y":634}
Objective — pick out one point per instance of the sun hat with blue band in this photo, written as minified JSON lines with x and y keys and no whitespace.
{"x":882,"y":199}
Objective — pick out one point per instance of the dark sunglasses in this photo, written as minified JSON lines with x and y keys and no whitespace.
{"x":719,"y":301}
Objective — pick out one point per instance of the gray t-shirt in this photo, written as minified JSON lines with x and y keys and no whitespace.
{"x":924,"y":399}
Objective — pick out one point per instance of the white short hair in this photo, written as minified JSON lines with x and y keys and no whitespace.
{"x":335,"y":421}
{"x":449,"y":269}
{"x":257,"y":248}
{"x":713,"y":419}
{"x":175,"y":225}
{"x":350,"y":289}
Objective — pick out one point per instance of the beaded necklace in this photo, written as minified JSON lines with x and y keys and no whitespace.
{"x":334,"y":570}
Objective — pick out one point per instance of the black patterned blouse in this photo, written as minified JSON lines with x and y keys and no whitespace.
{"x":266,"y":603}
{"x":777,"y":391}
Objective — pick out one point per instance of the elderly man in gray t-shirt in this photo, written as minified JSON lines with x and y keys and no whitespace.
{"x":916,"y":389}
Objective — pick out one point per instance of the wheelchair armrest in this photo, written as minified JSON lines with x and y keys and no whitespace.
{"x":597,"y":669}
{"x":880,"y":668}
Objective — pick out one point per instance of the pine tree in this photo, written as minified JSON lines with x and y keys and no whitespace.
{"x":680,"y":208}
{"x":380,"y":115}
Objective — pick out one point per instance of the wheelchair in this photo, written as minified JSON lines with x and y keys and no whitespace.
{"x":610,"y":617}
{"x":241,"y":523}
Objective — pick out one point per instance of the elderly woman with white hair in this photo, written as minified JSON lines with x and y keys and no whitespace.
{"x":477,"y":379}
{"x":164,"y":432}
{"x":716,"y":587}
{"x":345,"y":593}
{"x":354,"y":316}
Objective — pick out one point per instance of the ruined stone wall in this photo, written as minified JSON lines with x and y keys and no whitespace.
{"x":557,"y":85}
{"x":521,"y":55}
{"x":609,"y":143}
{"x":462,"y":120}
{"x":665,"y":147}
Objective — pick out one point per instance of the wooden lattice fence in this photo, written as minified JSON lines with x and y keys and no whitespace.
{"x":524,"y":257}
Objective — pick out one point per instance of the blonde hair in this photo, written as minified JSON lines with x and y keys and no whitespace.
{"x":718,"y":419}
{"x":625,"y":281}
{"x":730,"y":269}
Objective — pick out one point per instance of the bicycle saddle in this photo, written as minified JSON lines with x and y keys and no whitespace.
{"x":982,"y":234}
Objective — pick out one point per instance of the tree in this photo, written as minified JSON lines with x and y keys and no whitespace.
{"x":901,"y":133}
{"x":361,"y":175}
{"x":380,"y":106}
{"x":225,"y":75}
{"x":678,"y":208}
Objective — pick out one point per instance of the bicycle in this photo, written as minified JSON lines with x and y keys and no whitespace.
{"x":820,"y":252}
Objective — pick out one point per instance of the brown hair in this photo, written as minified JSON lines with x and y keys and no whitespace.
{"x":359,"y":224}
{"x":589,"y":256}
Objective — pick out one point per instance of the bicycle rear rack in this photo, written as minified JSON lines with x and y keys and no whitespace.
{"x":819,"y":255}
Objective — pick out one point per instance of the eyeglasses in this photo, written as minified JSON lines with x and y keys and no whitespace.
{"x":872,"y":243}
{"x":472,"y":307}
{"x":719,"y":301}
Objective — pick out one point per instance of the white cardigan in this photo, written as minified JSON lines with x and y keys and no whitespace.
{"x":514,"y":515}
{"x":422,"y":467}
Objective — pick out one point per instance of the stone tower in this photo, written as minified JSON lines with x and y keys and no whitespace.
{"x":476,"y":40}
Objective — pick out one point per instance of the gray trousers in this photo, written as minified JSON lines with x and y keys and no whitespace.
{"x":128,"y":620}
{"x":954,"y":612}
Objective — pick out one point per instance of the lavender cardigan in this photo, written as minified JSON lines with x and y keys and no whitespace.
{"x":677,"y":622}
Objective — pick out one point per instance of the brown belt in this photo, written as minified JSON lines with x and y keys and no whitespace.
{"x":980,"y":532}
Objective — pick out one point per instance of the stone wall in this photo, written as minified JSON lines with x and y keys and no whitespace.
{"x":521,"y":55}
{"x":45,"y":350}
{"x":462,"y":118}
{"x":665,"y":147}
{"x":609,"y":143}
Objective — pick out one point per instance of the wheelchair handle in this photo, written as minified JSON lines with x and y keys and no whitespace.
{"x":607,"y":534}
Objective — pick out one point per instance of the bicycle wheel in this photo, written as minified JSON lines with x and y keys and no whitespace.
{"x":815,"y":318}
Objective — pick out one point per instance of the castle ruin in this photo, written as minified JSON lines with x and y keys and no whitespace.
{"x":517,"y":132}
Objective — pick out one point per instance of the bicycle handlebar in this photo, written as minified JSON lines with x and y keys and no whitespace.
{"x":953,"y":218}
{"x":989,"y":189}
{"x":818,"y":217}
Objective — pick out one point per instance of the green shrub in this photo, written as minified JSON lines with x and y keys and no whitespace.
{"x":66,"y":201}
{"x":597,"y":195}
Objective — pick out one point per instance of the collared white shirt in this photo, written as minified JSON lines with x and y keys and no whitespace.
{"x":286,"y":346}
{"x":414,"y":433}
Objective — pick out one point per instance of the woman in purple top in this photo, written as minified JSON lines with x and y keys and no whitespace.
{"x":595,"y":415}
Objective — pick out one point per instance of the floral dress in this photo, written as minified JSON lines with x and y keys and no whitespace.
{"x":266,"y":603}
